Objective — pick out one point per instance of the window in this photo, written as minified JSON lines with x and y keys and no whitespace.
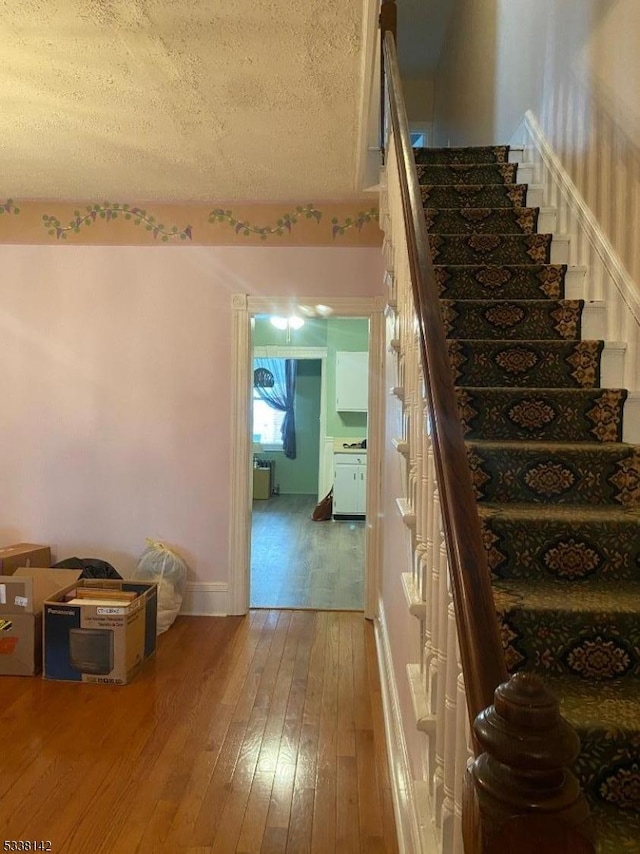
{"x":267,"y":424}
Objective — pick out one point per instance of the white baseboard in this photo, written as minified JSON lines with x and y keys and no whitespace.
{"x":206,"y":599}
{"x":414,"y":828}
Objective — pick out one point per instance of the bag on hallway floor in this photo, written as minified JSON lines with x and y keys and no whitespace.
{"x":324,"y":509}
{"x":161,"y":564}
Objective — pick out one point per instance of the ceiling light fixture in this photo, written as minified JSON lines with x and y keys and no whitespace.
{"x":287,"y":324}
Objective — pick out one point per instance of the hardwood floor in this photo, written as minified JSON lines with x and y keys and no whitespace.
{"x":298,"y":563}
{"x":243,"y":734}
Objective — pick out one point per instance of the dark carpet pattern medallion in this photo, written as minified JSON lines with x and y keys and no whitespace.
{"x":558,"y":491}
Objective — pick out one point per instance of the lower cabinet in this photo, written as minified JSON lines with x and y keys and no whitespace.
{"x":349,"y":484}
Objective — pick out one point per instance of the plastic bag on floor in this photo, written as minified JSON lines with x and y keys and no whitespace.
{"x":163,"y":565}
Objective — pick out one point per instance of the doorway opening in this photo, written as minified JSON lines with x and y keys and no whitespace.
{"x":247,"y":314}
{"x":297,"y":562}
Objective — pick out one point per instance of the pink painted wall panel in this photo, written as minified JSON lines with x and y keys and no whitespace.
{"x":115,"y":411}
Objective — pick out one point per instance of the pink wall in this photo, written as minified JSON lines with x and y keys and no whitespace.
{"x":115,"y":414}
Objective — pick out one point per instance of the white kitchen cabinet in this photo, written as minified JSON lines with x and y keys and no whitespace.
{"x":349,"y":484}
{"x":352,"y":381}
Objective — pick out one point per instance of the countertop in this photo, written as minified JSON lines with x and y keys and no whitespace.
{"x":339,"y":449}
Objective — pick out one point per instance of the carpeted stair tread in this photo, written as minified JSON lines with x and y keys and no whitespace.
{"x":547,"y":414}
{"x":566,"y":544}
{"x":615,"y":832}
{"x":555,"y":472}
{"x":601,"y":599}
{"x":612,"y":705}
{"x":547,"y":513}
{"x":490,"y":248}
{"x":594,"y":636}
{"x":483,"y":281}
{"x":472,"y":173}
{"x":467,"y":195}
{"x":515,"y":319}
{"x":606,"y":717}
{"x":493,"y":221}
{"x":525,"y":364}
{"x":463,"y":154}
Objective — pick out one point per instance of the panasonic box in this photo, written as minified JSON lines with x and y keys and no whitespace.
{"x":22,"y":596}
{"x":99,"y":630}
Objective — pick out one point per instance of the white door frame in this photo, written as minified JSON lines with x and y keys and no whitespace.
{"x":243,"y":309}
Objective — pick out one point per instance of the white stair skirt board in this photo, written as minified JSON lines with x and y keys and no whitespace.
{"x":534,"y":196}
{"x":427,"y":831}
{"x":546,"y":220}
{"x":526,"y":174}
{"x":574,"y":282}
{"x":516,"y":154}
{"x":409,"y":816}
{"x":560,"y":249}
{"x":612,"y":364}
{"x":594,"y":320}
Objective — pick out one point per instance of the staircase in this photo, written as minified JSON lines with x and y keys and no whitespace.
{"x":558,"y":491}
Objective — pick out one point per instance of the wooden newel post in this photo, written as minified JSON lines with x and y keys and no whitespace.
{"x":520,"y":797}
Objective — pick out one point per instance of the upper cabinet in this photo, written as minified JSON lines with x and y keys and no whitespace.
{"x":352,"y":381}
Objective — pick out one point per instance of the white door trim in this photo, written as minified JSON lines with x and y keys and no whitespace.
{"x":243,"y":309}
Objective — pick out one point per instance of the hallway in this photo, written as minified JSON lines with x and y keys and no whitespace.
{"x":244,"y":734}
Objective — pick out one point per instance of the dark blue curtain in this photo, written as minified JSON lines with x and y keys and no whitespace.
{"x":282,"y":397}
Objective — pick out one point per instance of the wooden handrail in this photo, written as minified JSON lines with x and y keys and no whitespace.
{"x":478,"y":636}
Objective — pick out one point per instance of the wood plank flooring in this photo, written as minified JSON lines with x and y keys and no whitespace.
{"x":298,"y":563}
{"x":243,"y":734}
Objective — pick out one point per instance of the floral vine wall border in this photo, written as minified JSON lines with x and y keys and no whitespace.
{"x":108,"y":212}
{"x":9,"y":207}
{"x":288,"y":220}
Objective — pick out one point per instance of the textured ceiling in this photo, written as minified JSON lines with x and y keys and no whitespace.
{"x":157,"y":100}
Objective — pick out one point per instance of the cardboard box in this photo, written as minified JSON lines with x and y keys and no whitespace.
{"x":23,"y":554}
{"x":90,"y":636}
{"x":22,"y":597}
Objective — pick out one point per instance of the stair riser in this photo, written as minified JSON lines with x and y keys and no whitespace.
{"x":511,"y":283}
{"x":542,"y":415}
{"x":463,"y":155}
{"x":567,"y":551}
{"x":478,"y":195}
{"x":557,"y":364}
{"x":607,"y":765}
{"x":483,"y":174}
{"x":513,"y":320}
{"x":588,"y":475}
{"x":481,"y":220}
{"x":594,"y":646}
{"x":491,"y":249}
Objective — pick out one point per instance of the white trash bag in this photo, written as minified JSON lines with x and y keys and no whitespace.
{"x":161,"y":564}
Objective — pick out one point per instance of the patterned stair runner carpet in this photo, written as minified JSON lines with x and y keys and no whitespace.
{"x":558,"y":491}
